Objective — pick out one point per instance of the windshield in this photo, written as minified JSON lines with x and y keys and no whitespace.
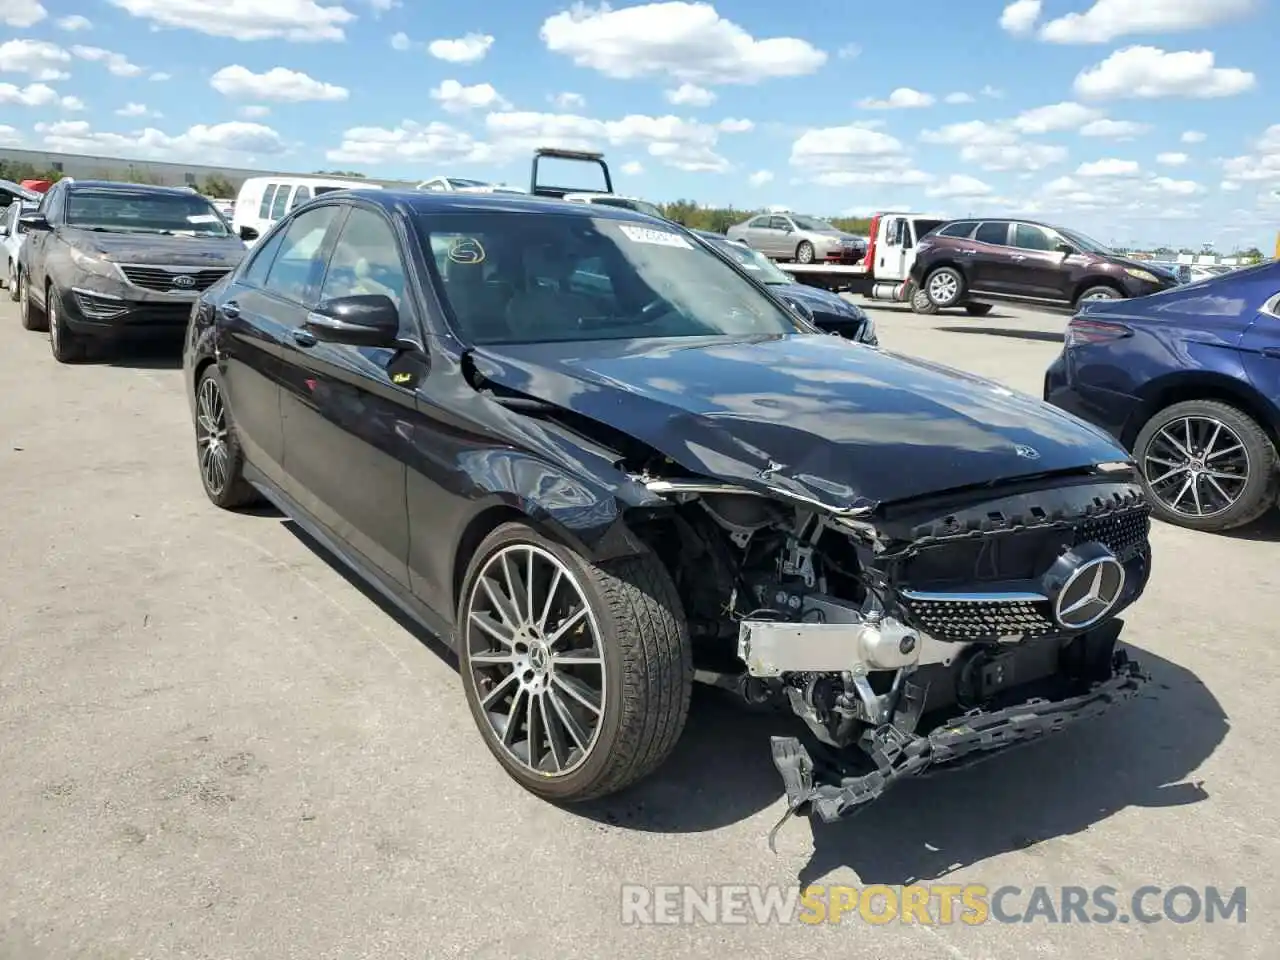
{"x":811,"y":223}
{"x":1087,"y":244}
{"x":757,"y":263}
{"x":129,"y":212}
{"x":518,"y":278}
{"x":457,"y":183}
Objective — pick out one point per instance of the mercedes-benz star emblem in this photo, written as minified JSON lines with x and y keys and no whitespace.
{"x":184,"y":282}
{"x":1089,"y":593}
{"x":1027,"y":453}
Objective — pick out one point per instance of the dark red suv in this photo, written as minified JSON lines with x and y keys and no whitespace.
{"x":1021,"y":260}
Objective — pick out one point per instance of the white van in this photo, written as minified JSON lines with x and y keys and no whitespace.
{"x":264,"y":200}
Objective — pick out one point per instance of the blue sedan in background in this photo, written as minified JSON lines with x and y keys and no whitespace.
{"x":1188,"y":380}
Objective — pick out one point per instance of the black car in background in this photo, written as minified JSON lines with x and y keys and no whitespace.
{"x":827,"y":311}
{"x":1027,"y":262}
{"x":105,"y":261}
{"x":601,"y":461}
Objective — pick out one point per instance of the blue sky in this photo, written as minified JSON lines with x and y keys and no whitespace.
{"x":1139,"y":121}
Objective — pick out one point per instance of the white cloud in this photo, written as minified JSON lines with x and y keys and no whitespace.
{"x":850,"y":51}
{"x":569,"y":100}
{"x":234,"y":142}
{"x":1172,"y":159}
{"x":687,"y":41}
{"x":760,"y":178}
{"x":1107,"y":20}
{"x":117,"y":63}
{"x":901,"y":99}
{"x":1193,"y":136}
{"x":1229,"y":186}
{"x":134,"y":110}
{"x":1020,"y":16}
{"x":21,"y":13}
{"x":1027,"y":157}
{"x":277,"y":84}
{"x":453,"y":97}
{"x":1109,"y":167}
{"x":1261,"y":166}
{"x":633,"y":168}
{"x":295,"y":20}
{"x":73,"y":23}
{"x":1149,"y":72}
{"x":37,"y":58}
{"x":958,"y":97}
{"x":71,"y":104}
{"x":410,"y":142}
{"x":690,"y":95}
{"x":400,"y":41}
{"x":10,"y":136}
{"x":993,"y":92}
{"x":970,"y":132}
{"x":1055,"y":117}
{"x":959,"y":186}
{"x":735,"y":125}
{"x":160,"y":77}
{"x":32,"y":95}
{"x":1115,"y":129}
{"x":853,"y":155}
{"x":469,"y":49}
{"x":1182,"y":188}
{"x":255,"y":111}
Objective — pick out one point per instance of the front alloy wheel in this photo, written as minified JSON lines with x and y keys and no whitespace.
{"x":1207,"y":466}
{"x":218,"y":453}
{"x":578,"y":674}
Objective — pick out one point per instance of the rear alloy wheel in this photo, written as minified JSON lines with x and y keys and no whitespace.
{"x":220,"y":458}
{"x":1207,"y":466}
{"x":945,"y":287}
{"x":1099,"y":293}
{"x":32,"y":317}
{"x":977,"y":309}
{"x":804,"y":252}
{"x":67,"y":345}
{"x":577,"y":674}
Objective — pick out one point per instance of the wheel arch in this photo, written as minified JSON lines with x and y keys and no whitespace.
{"x":1097,"y":281}
{"x":952,"y":262}
{"x":1203,"y":385}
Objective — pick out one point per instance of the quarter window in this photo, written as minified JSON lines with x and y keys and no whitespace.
{"x":298,"y":267}
{"x":300,"y":196}
{"x":962,"y":228}
{"x":365,"y":261}
{"x":255,"y":274}
{"x":264,"y":210}
{"x":995,"y":233}
{"x":1028,"y":237}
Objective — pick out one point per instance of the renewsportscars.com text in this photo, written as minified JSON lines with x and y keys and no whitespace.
{"x":932,"y":904}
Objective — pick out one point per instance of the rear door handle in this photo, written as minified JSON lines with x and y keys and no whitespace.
{"x":231,"y":309}
{"x":968,"y":253}
{"x":303,"y":338}
{"x":1017,"y":256}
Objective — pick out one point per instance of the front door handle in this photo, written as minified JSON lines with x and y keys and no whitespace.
{"x":303,"y":338}
{"x":1017,"y":256}
{"x":968,"y":253}
{"x":231,"y":309}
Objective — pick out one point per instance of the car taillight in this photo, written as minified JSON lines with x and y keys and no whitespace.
{"x":1081,"y":331}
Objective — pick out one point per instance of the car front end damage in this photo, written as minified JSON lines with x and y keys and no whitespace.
{"x":913,"y":637}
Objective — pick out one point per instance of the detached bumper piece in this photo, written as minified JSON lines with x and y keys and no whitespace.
{"x":899,"y":753}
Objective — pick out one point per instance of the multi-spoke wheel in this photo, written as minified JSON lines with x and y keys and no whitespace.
{"x":218,"y":452}
{"x":66,"y":345}
{"x":1207,"y":465}
{"x":577,"y":674}
{"x":945,"y":287}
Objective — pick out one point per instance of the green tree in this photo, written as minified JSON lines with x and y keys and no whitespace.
{"x":341,"y":173}
{"x":216,"y":185}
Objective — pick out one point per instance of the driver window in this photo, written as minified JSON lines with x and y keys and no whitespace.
{"x":1028,"y":237}
{"x":893,"y":233}
{"x":779,"y":223}
{"x":298,"y":266}
{"x":366,"y":260}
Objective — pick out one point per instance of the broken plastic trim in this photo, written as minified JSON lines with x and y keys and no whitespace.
{"x":898,"y":754}
{"x":671,"y":487}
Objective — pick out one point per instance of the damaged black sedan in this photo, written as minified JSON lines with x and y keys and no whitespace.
{"x":605,"y":463}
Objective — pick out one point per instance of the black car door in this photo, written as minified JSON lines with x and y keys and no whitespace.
{"x":264,"y":303}
{"x":990,"y":264}
{"x":348,"y":410}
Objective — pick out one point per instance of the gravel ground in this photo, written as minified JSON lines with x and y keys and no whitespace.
{"x":215,"y":745}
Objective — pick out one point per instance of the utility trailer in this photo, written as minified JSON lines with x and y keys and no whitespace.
{"x":885,"y":270}
{"x":539,"y":189}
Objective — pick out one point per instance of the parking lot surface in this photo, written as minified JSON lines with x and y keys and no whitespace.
{"x":215,"y":745}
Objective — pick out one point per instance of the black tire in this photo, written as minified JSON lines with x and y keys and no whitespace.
{"x":1259,"y":493}
{"x":937,"y":279}
{"x":804,"y":252}
{"x":920,"y":302}
{"x":647,"y":660}
{"x":33,"y":318}
{"x":232,"y":491}
{"x":977,"y":309}
{"x":66,"y":345}
{"x":12,"y":282}
{"x":1098,"y":292}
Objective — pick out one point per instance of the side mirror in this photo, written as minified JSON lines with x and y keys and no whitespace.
{"x":249,"y":233}
{"x":364,"y":320}
{"x":1066,"y":248}
{"x":34,"y":221}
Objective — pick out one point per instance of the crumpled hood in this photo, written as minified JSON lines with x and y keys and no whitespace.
{"x":159,"y":249}
{"x":813,"y":415}
{"x":820,"y":301}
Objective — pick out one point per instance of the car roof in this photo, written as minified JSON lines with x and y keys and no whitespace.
{"x":118,"y":186}
{"x":421,"y":201}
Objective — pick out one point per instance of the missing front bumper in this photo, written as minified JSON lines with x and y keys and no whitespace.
{"x":832,"y":795}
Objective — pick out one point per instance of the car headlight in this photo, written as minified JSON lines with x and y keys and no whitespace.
{"x":1142,"y":275}
{"x":92,"y":264}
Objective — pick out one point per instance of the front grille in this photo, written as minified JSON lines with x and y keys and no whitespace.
{"x":964,"y":619}
{"x":162,"y":278}
{"x":1123,"y":533}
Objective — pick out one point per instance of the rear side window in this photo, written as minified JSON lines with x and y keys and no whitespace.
{"x":280,"y":206}
{"x":962,"y":228}
{"x":298,"y":267}
{"x":264,"y":210}
{"x":997,"y":233}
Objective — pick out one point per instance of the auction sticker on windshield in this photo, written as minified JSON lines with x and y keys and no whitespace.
{"x":659,"y":237}
{"x":204,"y":218}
